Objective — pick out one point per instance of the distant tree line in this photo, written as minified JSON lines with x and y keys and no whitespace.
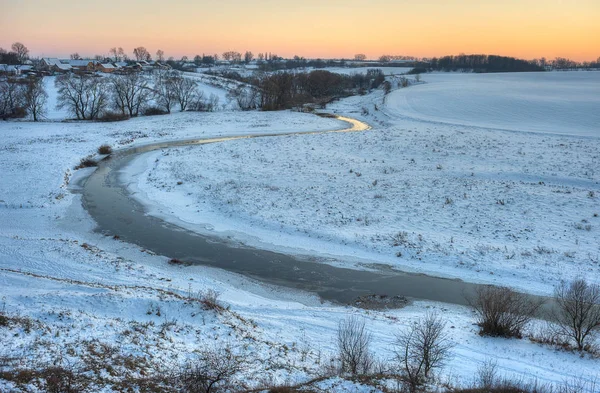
{"x":493,"y":63}
{"x":285,"y":90}
{"x":119,"y":97}
{"x":561,"y":63}
{"x":482,"y":63}
{"x":298,"y":62}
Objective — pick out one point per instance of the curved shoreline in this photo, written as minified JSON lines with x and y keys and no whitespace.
{"x":110,"y":204}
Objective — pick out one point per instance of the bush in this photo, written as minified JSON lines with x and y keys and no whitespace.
{"x":354,"y":343}
{"x":87,"y":162}
{"x":502,"y":312}
{"x":113,"y":116}
{"x":105,"y":149}
{"x":417,"y":71}
{"x":210,"y":300}
{"x":19,"y":113}
{"x":421,"y":349}
{"x":154,"y":111}
{"x":175,"y":261}
{"x":213,"y":370}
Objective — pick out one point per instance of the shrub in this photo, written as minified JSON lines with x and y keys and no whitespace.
{"x":87,"y":162}
{"x":105,"y":149}
{"x":421,"y":349}
{"x":354,"y":343}
{"x":210,"y":300}
{"x":501,"y":311}
{"x":113,"y":116}
{"x":19,"y":113}
{"x":577,"y":311}
{"x":417,"y":70}
{"x":154,"y":111}
{"x":213,"y":370}
{"x":4,"y":320}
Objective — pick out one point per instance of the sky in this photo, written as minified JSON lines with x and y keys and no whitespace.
{"x":309,"y":28}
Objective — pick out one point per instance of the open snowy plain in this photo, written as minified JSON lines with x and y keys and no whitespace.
{"x":421,"y":191}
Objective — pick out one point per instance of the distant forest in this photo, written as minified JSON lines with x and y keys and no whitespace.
{"x":493,"y":63}
{"x":483,"y":63}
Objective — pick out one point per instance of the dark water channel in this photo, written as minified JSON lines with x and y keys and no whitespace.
{"x":108,"y":201}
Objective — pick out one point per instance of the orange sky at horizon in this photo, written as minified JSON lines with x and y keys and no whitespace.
{"x":333,"y":29}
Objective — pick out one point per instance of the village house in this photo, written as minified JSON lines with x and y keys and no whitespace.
{"x":15,"y":70}
{"x":108,"y":68}
{"x":54,"y":65}
{"x":83,"y":64}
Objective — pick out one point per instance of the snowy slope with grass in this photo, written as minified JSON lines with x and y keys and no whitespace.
{"x":116,"y":316}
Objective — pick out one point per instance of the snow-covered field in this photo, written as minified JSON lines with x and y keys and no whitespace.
{"x":460,"y":201}
{"x":80,"y":299}
{"x":548,"y":102}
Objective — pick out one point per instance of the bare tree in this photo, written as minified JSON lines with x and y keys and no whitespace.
{"x":205,"y":105}
{"x":354,"y":341}
{"x":35,"y":97}
{"x":360,"y":57}
{"x":502,"y":311}
{"x":141,"y":53}
{"x":130,"y":92}
{"x":113,"y":53}
{"x":577,"y":311}
{"x":118,"y":54}
{"x":85,"y":96}
{"x":160,"y":55}
{"x":12,"y":98}
{"x":21,"y":51}
{"x":213,"y":370}
{"x":233,"y":56}
{"x":185,"y":90}
{"x":248,"y":56}
{"x":421,"y":349}
{"x":75,"y":56}
{"x":247,"y":98}
{"x":227,"y":55}
{"x":164,"y":89}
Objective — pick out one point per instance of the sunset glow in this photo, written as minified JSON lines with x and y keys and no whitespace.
{"x":310,"y":28}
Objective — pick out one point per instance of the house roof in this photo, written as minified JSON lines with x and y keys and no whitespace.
{"x":54,"y":62}
{"x":80,"y":62}
{"x":15,"y":68}
{"x":108,"y":65}
{"x":51,"y":61}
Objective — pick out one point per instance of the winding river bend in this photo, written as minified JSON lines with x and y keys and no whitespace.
{"x":108,"y":201}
